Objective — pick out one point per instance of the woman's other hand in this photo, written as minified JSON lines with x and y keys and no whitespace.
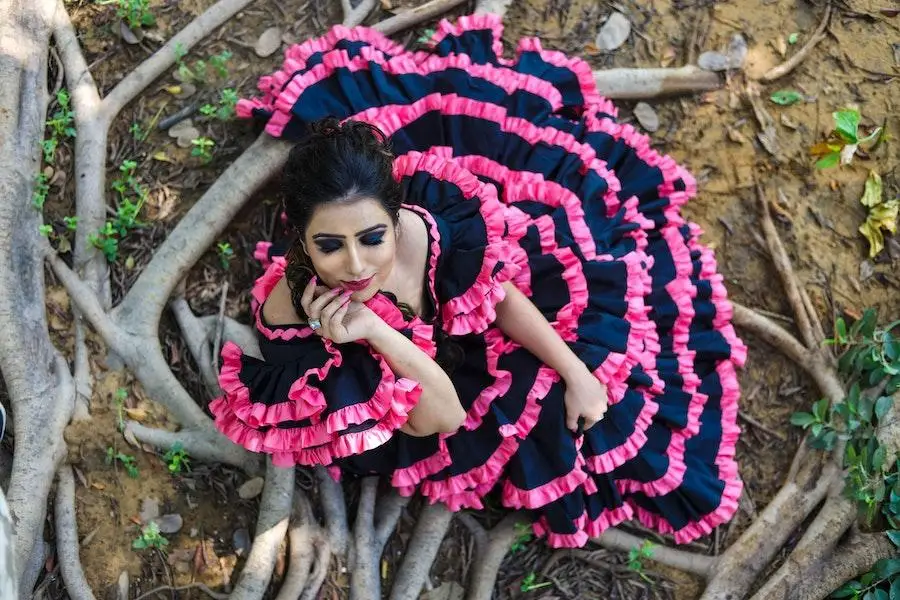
{"x":333,"y":315}
{"x":585,"y":398}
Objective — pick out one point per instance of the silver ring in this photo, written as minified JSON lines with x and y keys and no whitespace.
{"x":315,"y":324}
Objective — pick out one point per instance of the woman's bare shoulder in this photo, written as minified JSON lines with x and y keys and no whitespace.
{"x":278,"y":308}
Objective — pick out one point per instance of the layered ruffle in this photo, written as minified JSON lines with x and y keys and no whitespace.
{"x":523,"y":176}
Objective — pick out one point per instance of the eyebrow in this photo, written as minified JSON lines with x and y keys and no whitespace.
{"x":358,"y":233}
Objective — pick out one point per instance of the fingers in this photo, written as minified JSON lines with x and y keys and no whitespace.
{"x":314,"y":310}
{"x":328,"y":312}
{"x":572,"y":422}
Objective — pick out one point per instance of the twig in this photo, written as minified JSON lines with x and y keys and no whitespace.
{"x":759,"y":425}
{"x":690,"y":562}
{"x":416,"y":15}
{"x":220,"y":327}
{"x":801,"y":55}
{"x":355,"y":16}
{"x":191,"y":586}
{"x":67,"y":536}
{"x":786,"y":272}
{"x":637,"y":84}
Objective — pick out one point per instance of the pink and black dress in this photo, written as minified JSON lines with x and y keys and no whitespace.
{"x":521,"y":174}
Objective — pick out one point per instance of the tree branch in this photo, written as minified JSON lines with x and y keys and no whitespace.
{"x":415,"y":15}
{"x":640,"y":84}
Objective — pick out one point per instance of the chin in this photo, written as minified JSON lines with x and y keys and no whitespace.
{"x":366,"y":294}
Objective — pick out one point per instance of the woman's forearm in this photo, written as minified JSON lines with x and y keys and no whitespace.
{"x":439,"y":408}
{"x":520,"y":319}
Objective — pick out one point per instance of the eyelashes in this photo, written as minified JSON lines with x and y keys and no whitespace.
{"x":373,"y":239}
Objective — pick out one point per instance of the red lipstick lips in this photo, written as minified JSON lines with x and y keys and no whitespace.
{"x":355,"y":286}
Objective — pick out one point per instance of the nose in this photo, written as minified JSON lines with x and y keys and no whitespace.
{"x":354,"y":262}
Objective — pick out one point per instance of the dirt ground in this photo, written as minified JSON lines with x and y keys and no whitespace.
{"x":714,"y":134}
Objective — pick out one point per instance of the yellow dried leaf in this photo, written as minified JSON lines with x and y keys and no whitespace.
{"x":872,"y":192}
{"x":873,"y":234}
{"x":163,"y":157}
{"x":174,"y":89}
{"x":885,"y":215}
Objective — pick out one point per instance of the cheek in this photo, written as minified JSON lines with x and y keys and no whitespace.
{"x":327,"y":267}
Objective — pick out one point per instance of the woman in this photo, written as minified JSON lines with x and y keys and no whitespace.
{"x":500,"y":296}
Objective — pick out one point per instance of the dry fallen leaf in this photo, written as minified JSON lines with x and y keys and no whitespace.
{"x":646,"y":116}
{"x":268,"y":43}
{"x":614,"y":32}
{"x":131,"y":36}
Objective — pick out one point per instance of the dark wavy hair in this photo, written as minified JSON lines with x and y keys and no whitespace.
{"x":336,"y":162}
{"x":342,"y":162}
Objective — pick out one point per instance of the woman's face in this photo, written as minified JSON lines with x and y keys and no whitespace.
{"x":352,"y":246}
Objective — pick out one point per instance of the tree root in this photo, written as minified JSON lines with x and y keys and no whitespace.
{"x":388,"y":512}
{"x":309,"y":554}
{"x":67,"y":537}
{"x":365,"y":581}
{"x":207,"y":445}
{"x":421,"y":550}
{"x":490,"y":550}
{"x":271,"y":527}
{"x":196,"y":336}
{"x":689,"y":562}
{"x":415,"y":15}
{"x":642,"y":84}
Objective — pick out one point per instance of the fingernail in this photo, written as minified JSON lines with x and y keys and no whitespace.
{"x":313,"y":280}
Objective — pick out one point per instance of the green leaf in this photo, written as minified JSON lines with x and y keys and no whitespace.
{"x":881,"y":594}
{"x":878,"y":459}
{"x":829,"y":160}
{"x":894,"y":536}
{"x":820,"y":409}
{"x":840,"y":327}
{"x":845,"y":591}
{"x":890,"y":347}
{"x":876,"y":375}
{"x":846,"y":123}
{"x":882,"y":405}
{"x":886,"y":567}
{"x":792,"y":39}
{"x":802,"y":419}
{"x":817,"y":429}
{"x":865,"y":408}
{"x":786,"y":97}
{"x":893,"y":385}
{"x":895,"y":590}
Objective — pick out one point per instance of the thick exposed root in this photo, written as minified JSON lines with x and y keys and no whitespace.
{"x":490,"y":549}
{"x":421,"y":550}
{"x":365,"y":581}
{"x":67,"y":542}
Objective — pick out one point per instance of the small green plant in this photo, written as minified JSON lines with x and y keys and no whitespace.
{"x":61,"y":125}
{"x":137,"y":132}
{"x":226,"y":254}
{"x":71,"y":223}
{"x":845,"y":140}
{"x":524,"y":534}
{"x":637,"y":556}
{"x":45,"y":230}
{"x":199,"y":71}
{"x":870,"y":356}
{"x":150,"y":538}
{"x":136,"y":13}
{"x":426,"y":36}
{"x":792,"y":39}
{"x":120,"y":396}
{"x":529,"y":583}
{"x":224,"y":108}
{"x":202,"y":148}
{"x":132,"y":195}
{"x":786,"y":97}
{"x":41,"y":189}
{"x":126,"y":460}
{"x":177,"y":459}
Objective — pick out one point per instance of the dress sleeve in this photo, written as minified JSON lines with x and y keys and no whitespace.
{"x":309,"y":401}
{"x":475,"y":258}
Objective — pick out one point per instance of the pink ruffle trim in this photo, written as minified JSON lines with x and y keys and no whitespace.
{"x":475,"y":309}
{"x":587,"y":528}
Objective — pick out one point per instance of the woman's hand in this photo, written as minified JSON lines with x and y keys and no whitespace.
{"x":340,"y":319}
{"x":586,"y":398}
